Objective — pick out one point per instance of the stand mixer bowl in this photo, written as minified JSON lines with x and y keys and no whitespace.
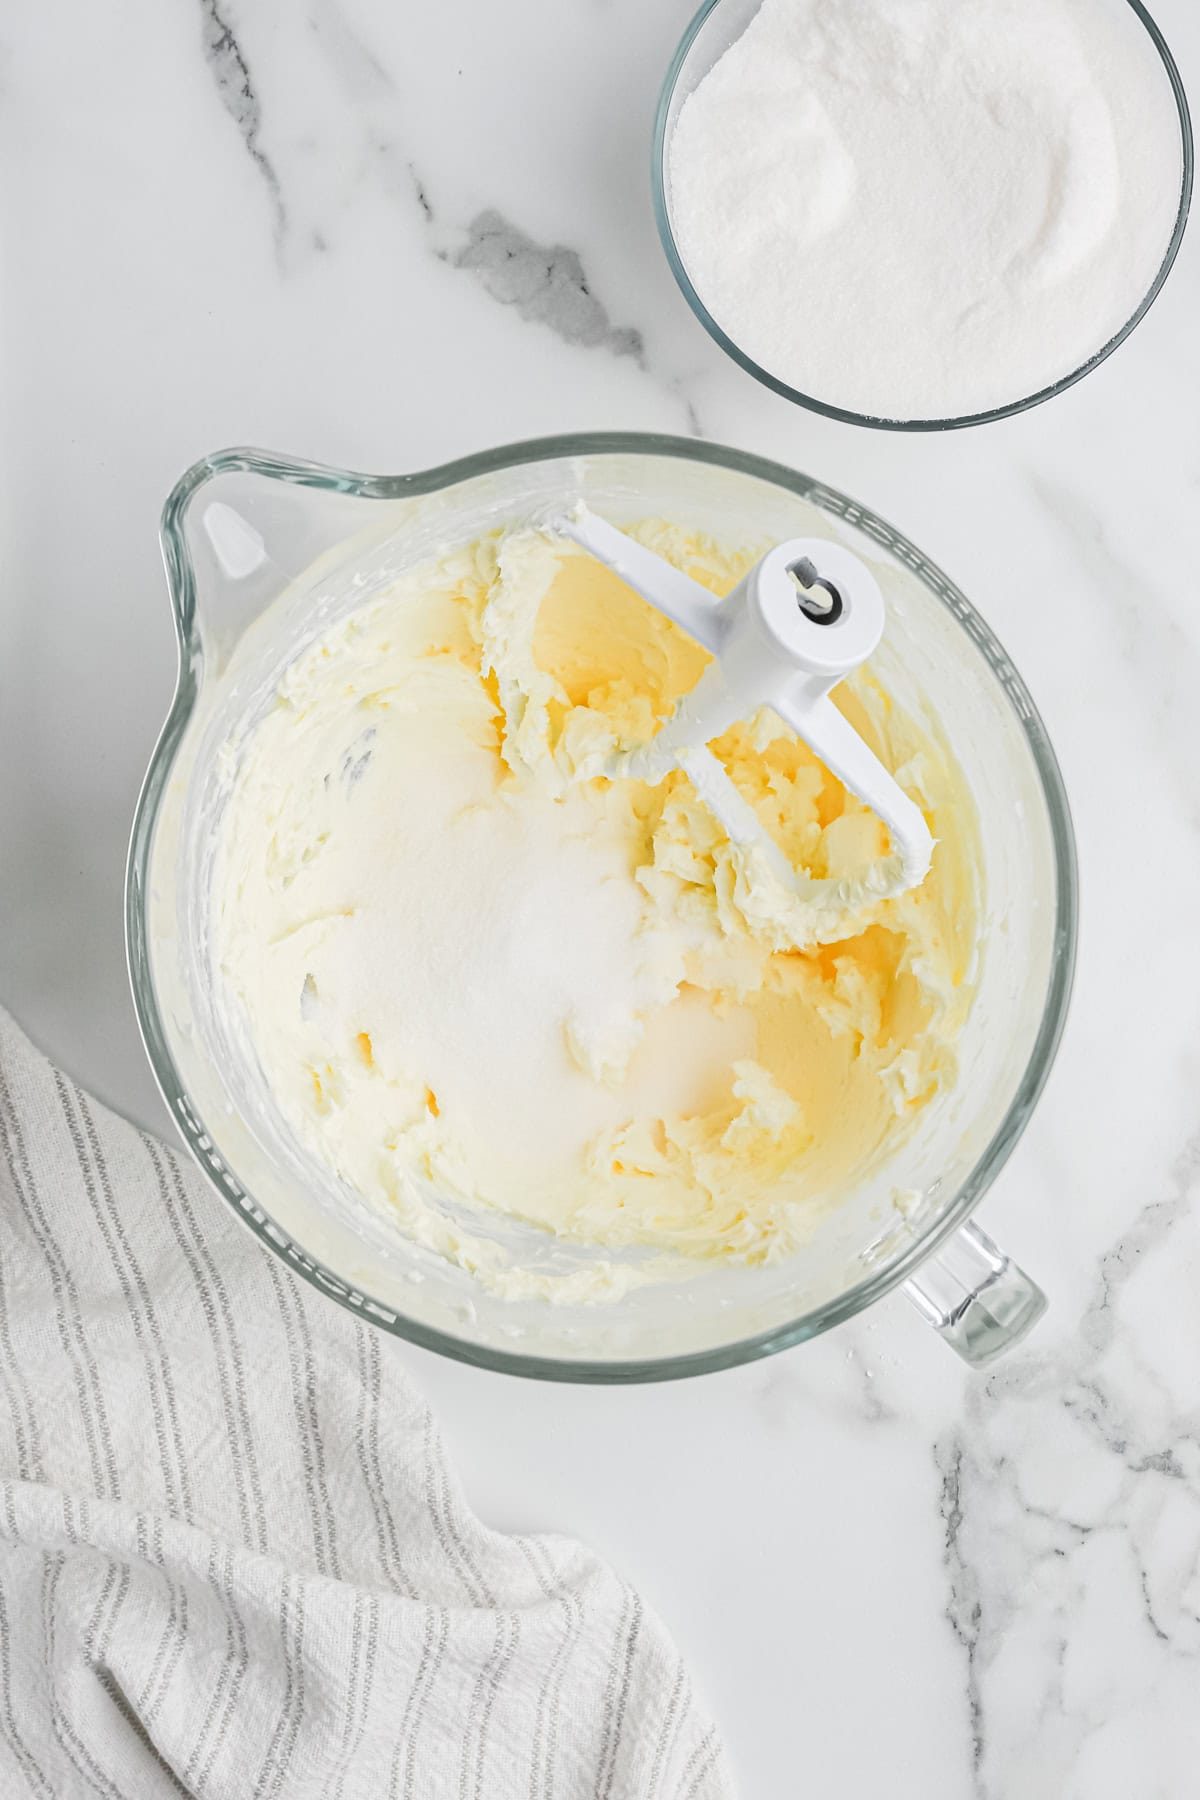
{"x":262,"y":554}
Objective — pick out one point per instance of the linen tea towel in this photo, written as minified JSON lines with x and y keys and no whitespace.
{"x":233,"y":1559}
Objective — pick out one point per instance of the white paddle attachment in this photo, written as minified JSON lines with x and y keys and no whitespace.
{"x":803,"y":618}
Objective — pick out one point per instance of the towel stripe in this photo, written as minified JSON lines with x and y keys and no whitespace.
{"x":666,"y":1738}
{"x":291,"y":1631}
{"x":136,"y":1294}
{"x":570,"y":1644}
{"x":532,"y":1551}
{"x":635,"y":1631}
{"x":67,"y":1311}
{"x":303,"y":1374}
{"x":27,"y":1762}
{"x":241,"y":1641}
{"x":433,"y":1500}
{"x":622,"y":1650}
{"x":288,"y":1744}
{"x":433,"y":1651}
{"x":366,"y":1442}
{"x":363,"y":1651}
{"x":700,"y":1764}
{"x":213,"y":1281}
{"x":229,"y":1663}
{"x":174,"y":1633}
{"x":495,"y":1681}
{"x":302,"y":1298}
{"x":27,"y":1436}
{"x":120,"y":1700}
{"x":68,"y":1739}
{"x":451,"y":1537}
{"x":239,"y":1442}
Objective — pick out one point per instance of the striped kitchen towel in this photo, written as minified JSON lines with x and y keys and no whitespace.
{"x":233,"y":1560}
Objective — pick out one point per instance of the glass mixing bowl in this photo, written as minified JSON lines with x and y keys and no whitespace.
{"x":717,"y":25}
{"x":262,"y":553}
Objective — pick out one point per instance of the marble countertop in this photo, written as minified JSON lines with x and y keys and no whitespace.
{"x":383,"y":235}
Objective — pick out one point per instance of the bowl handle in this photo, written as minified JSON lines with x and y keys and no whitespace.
{"x":976,"y":1297}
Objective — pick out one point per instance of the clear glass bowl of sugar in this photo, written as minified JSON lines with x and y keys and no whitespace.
{"x":717,"y":28}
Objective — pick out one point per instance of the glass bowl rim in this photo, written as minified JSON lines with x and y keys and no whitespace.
{"x":847,"y":416}
{"x":182,"y":594}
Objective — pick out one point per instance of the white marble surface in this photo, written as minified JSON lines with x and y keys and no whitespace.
{"x":382,"y":234}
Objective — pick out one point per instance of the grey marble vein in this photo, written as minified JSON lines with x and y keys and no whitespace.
{"x":1070,"y":1469}
{"x":359,"y":70}
{"x":694,"y":425}
{"x":239,"y":96}
{"x":1161,"y":650}
{"x":787,"y":1390}
{"x":375,"y":102}
{"x":544,"y":282}
{"x":963,"y":1605}
{"x":423,"y":200}
{"x":871,"y":1404}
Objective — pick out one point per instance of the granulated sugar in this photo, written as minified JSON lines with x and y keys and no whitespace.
{"x":921,"y":209}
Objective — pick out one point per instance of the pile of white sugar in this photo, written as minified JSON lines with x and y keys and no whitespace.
{"x":921,"y":209}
